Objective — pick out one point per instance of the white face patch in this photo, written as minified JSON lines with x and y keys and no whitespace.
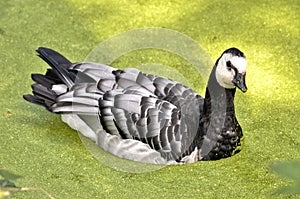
{"x":225,"y":76}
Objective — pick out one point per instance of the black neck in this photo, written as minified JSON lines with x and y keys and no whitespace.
{"x":218,"y":99}
{"x":218,"y":106}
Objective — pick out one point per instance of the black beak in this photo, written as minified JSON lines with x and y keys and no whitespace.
{"x":239,"y":81}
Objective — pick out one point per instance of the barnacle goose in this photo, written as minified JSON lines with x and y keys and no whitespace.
{"x":142,"y":117}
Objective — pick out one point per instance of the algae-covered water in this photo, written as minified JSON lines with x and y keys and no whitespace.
{"x":48,"y":154}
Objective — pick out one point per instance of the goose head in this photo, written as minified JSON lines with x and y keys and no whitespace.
{"x":231,"y":69}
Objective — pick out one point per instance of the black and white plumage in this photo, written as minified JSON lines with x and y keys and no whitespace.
{"x":143,"y":117}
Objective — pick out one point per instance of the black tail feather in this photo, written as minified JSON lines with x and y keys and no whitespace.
{"x":35,"y":100}
{"x":56,"y":82}
{"x":43,"y":80}
{"x":43,"y":92}
{"x":51,"y":75}
{"x":59,"y":65}
{"x":59,"y":74}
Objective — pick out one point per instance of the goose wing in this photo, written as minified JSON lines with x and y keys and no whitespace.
{"x":153,"y":112}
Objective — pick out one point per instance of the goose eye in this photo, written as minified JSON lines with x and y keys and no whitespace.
{"x":229,"y":65}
